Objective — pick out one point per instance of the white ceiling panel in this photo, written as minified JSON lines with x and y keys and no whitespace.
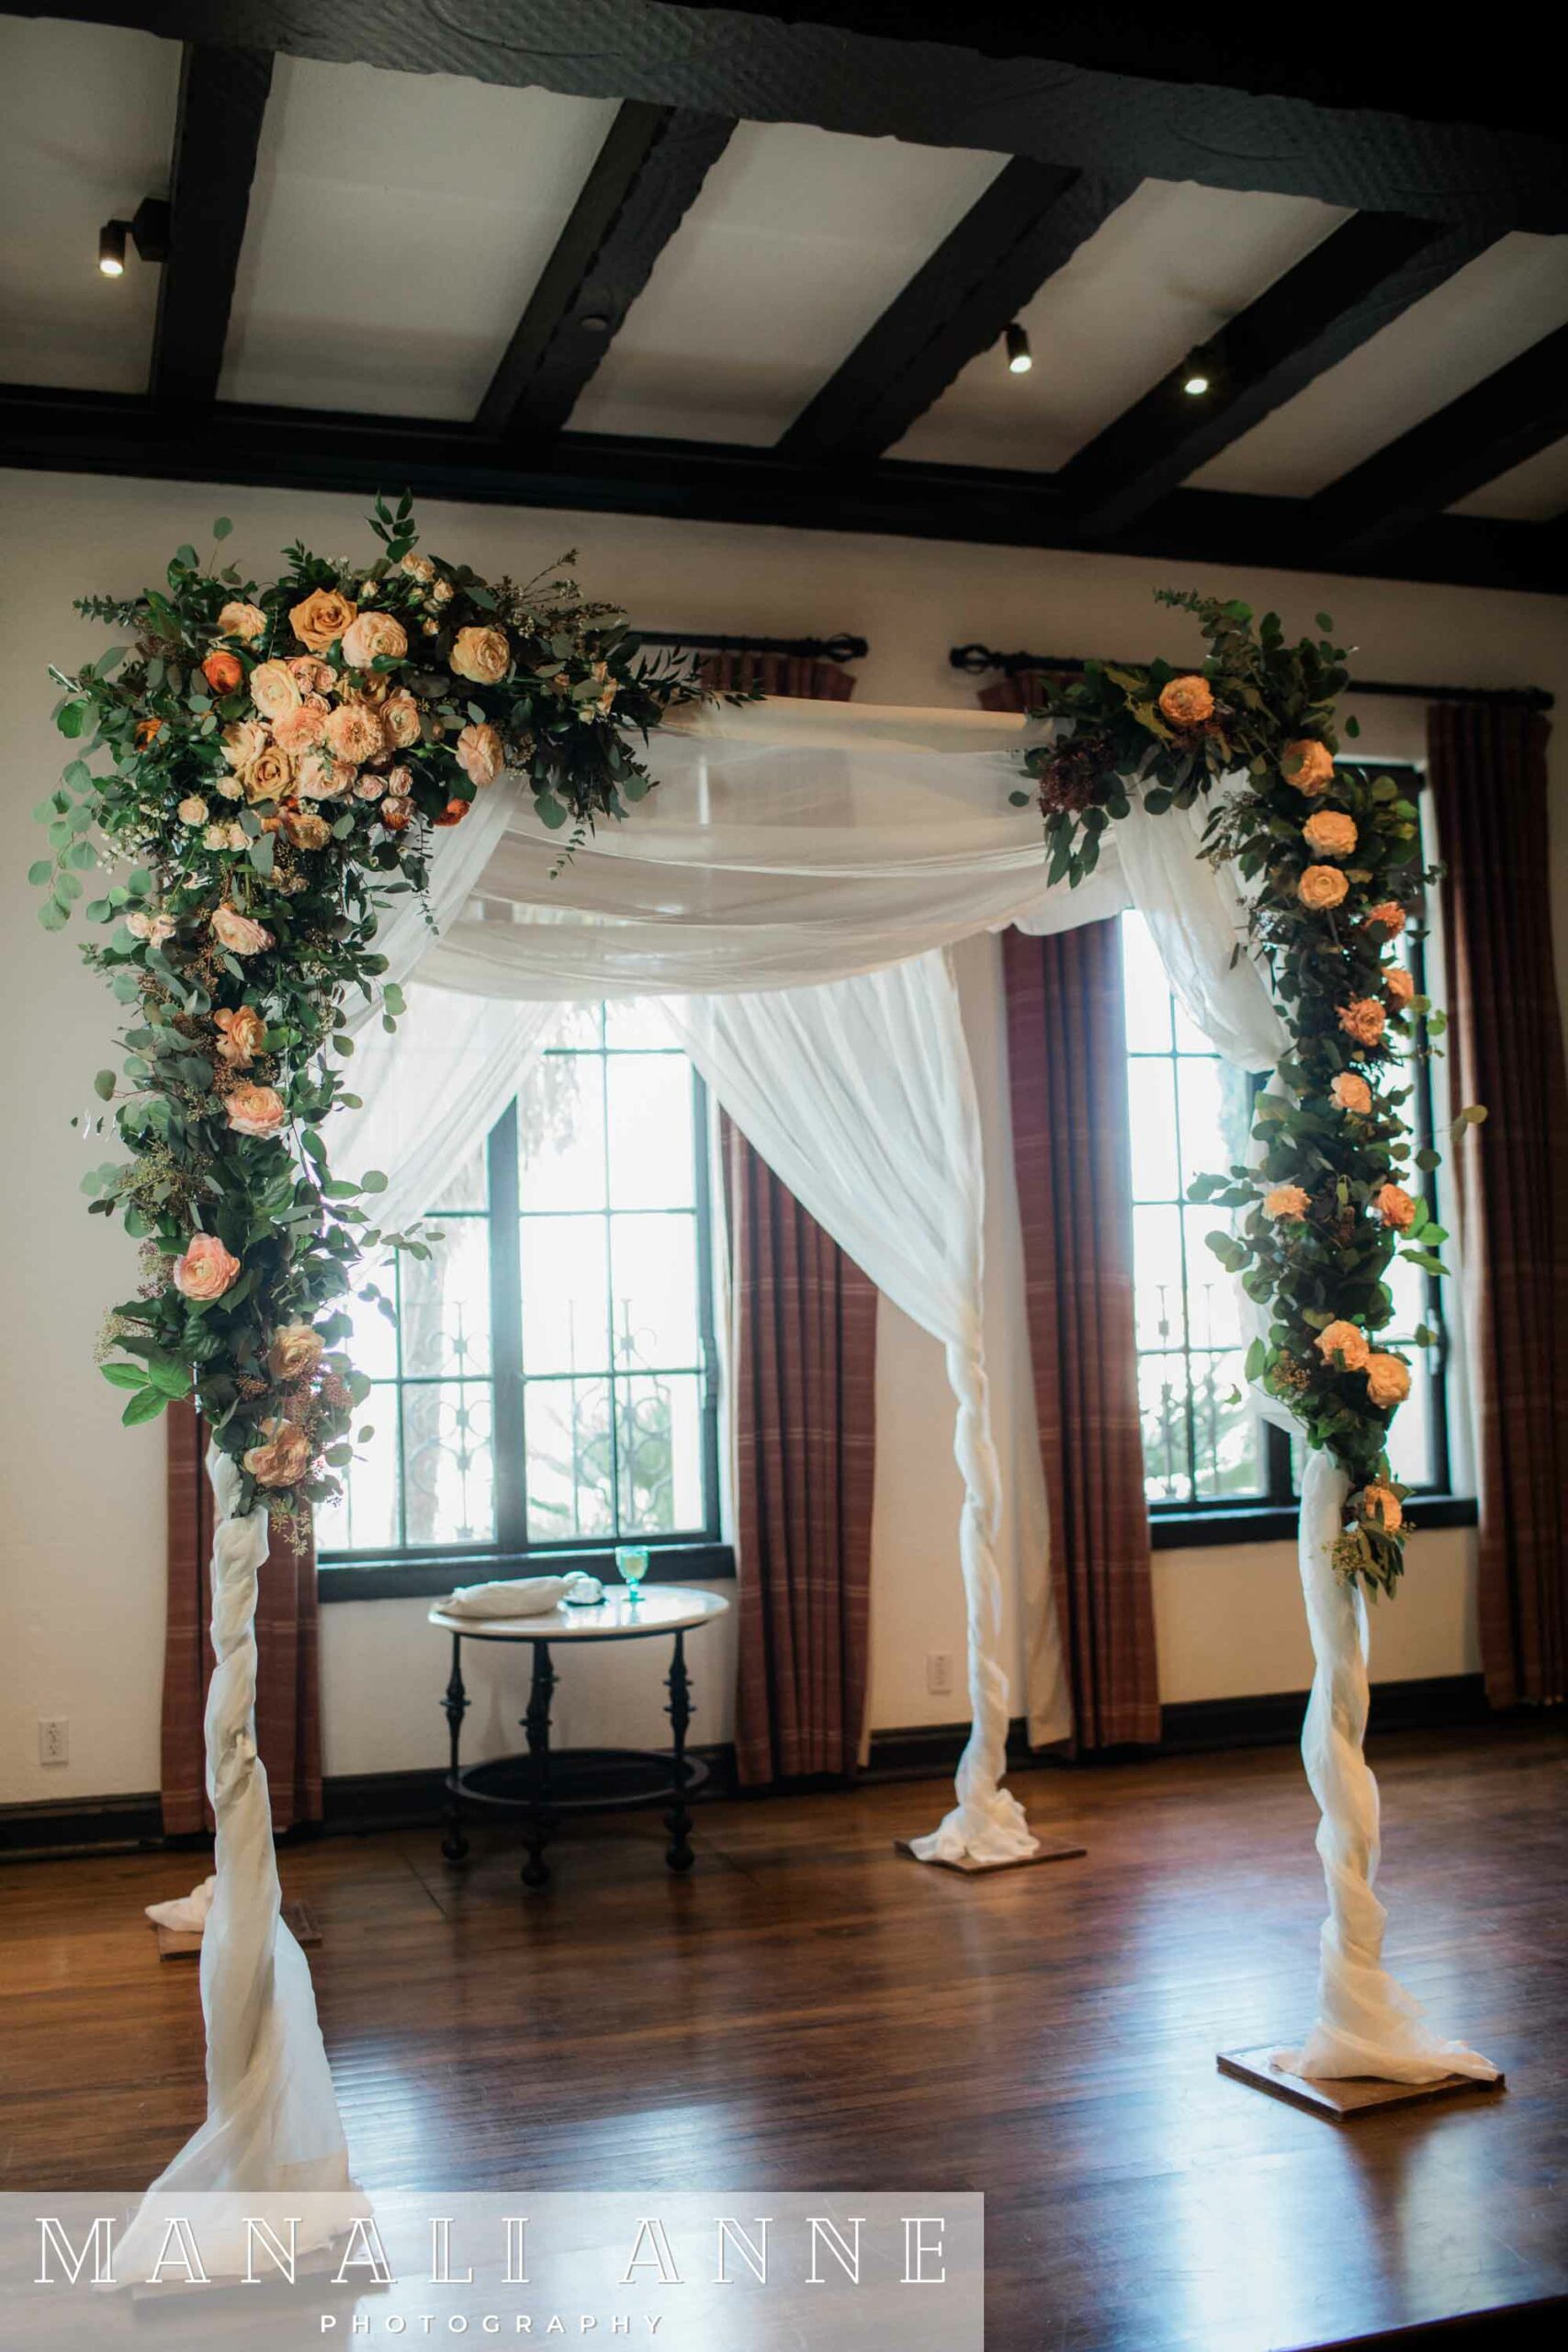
{"x":1532,"y":493}
{"x":796,"y":245}
{"x":1472,"y":324}
{"x":86,"y":126}
{"x":398,"y":226}
{"x":1163,"y":273}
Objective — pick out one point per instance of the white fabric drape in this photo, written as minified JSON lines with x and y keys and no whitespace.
{"x":1197,"y":915}
{"x":859,"y":1095}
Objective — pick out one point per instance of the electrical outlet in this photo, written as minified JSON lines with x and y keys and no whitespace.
{"x":939,"y":1671}
{"x":54,"y":1739}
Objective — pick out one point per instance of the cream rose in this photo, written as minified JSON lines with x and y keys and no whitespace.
{"x":284,"y":1459}
{"x":1322,"y":887}
{"x":399,"y":717}
{"x":1388,"y":1380}
{"x":418,"y":567}
{"x":275,"y":689}
{"x":271,"y":776}
{"x":155,"y":929}
{"x":321,"y":618}
{"x":295,"y":1353}
{"x":1382,"y":1506}
{"x":482,"y":655}
{"x":1330,"y":833}
{"x":479,"y":754}
{"x":1286,"y":1200}
{"x":254,"y":1111}
{"x":193,"y":810}
{"x":1351,"y":1093}
{"x":1308,"y":765}
{"x":300,"y":730}
{"x":244,"y":740}
{"x":241,"y":1035}
{"x":1187,"y":702}
{"x":242,"y":620}
{"x":240,"y":934}
{"x":1395,"y":1207}
{"x":354,"y":734}
{"x":371,"y":787}
{"x":205,"y":1271}
{"x":1344,"y":1340}
{"x":372,"y":637}
{"x":1364,"y":1019}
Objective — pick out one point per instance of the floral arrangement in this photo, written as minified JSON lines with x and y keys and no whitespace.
{"x":275,"y":760}
{"x":1335,"y":1187}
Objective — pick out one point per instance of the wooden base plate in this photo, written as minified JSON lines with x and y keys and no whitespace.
{"x":1048,"y":1849}
{"x":1341,"y":2101}
{"x":180,"y":1943}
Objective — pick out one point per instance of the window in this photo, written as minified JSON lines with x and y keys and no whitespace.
{"x":547,"y":1380}
{"x":1209,"y":1457}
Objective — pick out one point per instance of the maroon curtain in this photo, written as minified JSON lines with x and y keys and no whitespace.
{"x":287,"y":1688}
{"x":1025,"y":690}
{"x":777,"y":673}
{"x":1487,"y":764}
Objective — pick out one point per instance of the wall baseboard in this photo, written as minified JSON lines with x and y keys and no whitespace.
{"x":358,"y":1802}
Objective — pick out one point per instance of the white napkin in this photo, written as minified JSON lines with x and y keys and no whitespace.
{"x":522,"y":1596}
{"x":188,"y":1911}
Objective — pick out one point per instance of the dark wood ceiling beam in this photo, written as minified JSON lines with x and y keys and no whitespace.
{"x":1345,"y":290}
{"x":641,"y":187}
{"x":1061,"y":87}
{"x":1507,"y":417}
{"x":218,"y":127}
{"x":596,"y":473}
{"x":1026,"y":226}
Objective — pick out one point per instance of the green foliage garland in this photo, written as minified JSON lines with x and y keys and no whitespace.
{"x":1333,"y":861}
{"x":274,"y":761}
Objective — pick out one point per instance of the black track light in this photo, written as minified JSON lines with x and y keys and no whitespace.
{"x":1019,"y":361}
{"x":111,"y":248}
{"x":1202,"y":373}
{"x":147,"y":230}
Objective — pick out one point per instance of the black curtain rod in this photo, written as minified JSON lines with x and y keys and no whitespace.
{"x":978,"y":658}
{"x":792,"y":649}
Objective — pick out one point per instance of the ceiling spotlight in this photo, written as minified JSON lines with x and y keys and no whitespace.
{"x":111,"y":248}
{"x":147,"y":230}
{"x":1019,"y":360}
{"x":1202,"y":372}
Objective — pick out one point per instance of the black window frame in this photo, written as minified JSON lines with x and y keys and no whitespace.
{"x":430,"y":1570}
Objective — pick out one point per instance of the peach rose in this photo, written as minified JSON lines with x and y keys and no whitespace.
{"x":205,"y":1271}
{"x":1364,"y":1019}
{"x":244,"y":740}
{"x":295,"y":1353}
{"x":1187,"y":702}
{"x":1388,"y":1380}
{"x":238,"y":932}
{"x":371,"y":636}
{"x":1395,"y":1207}
{"x":371,"y":787}
{"x":193,"y":810}
{"x":418,"y":567}
{"x":285,"y":1457}
{"x":1399,"y":986}
{"x":1330,"y":833}
{"x":311,"y":677}
{"x":354,"y":734}
{"x":320,"y":777}
{"x":239,"y":619}
{"x":1322,"y":887}
{"x":256,"y":1110}
{"x":275,"y":689}
{"x":242,"y":1034}
{"x":303,"y":730}
{"x":305,"y":829}
{"x":226,"y":837}
{"x":155,"y":929}
{"x":223,"y":672}
{"x":482,"y":655}
{"x":397,"y":814}
{"x":269,"y":777}
{"x":479,"y":754}
{"x":1351,"y":1093}
{"x":1389,"y":913}
{"x":321,"y":618}
{"x":399,"y":717}
{"x":1381,"y":1506}
{"x":1286,"y":1200}
{"x":1344,"y":1340}
{"x":1308,"y":765}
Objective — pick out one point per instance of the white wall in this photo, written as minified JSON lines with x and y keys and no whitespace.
{"x":80,"y":1539}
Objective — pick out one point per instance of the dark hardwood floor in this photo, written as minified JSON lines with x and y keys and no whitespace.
{"x":808,"y":2010}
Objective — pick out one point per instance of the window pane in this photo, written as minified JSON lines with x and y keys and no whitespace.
{"x":661,"y":1454}
{"x":560,"y":1133}
{"x":366,"y":1520}
{"x":570,"y":1468}
{"x":654,"y":1290}
{"x":1408,"y":1287}
{"x":638,"y":1022}
{"x":447,"y":1463}
{"x":1189,"y":1038}
{"x":1213,"y":1297}
{"x":564,"y":1325}
{"x":1227,"y":1435}
{"x":1201,"y":1097}
{"x":443,"y":1323}
{"x":650,"y":1132}
{"x":1410,"y":1442}
{"x":1156,"y":1276}
{"x":1151,"y":1104}
{"x":1162,"y":1393}
{"x":373,"y":1349}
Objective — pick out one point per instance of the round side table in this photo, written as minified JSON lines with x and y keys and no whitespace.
{"x":542,"y":1785}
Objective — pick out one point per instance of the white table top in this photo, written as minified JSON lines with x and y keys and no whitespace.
{"x":663,"y":1608}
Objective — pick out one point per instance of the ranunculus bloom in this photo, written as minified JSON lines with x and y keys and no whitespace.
{"x":275,"y":689}
{"x":1344,"y":1340}
{"x":1330,"y":833}
{"x":1395,"y":1207}
{"x":270,"y":776}
{"x":1286,"y":1200}
{"x":193,"y":810}
{"x":320,"y":777}
{"x":399,"y":717}
{"x":206,"y":1270}
{"x":254,"y":1111}
{"x":1382,"y":1506}
{"x":372,"y":636}
{"x":223,"y":672}
{"x":240,"y":934}
{"x":1399,"y":986}
{"x":244,"y":740}
{"x":305,"y":829}
{"x":1321,"y":887}
{"x":454,"y":812}
{"x":295,"y":1353}
{"x":1364,"y":1019}
{"x":321,"y":618}
{"x":1389,"y":913}
{"x":482,"y":655}
{"x":1187,"y":702}
{"x":311,"y":677}
{"x":148,"y":731}
{"x":155,"y":929}
{"x":285,"y":1457}
{"x":1388,"y":1380}
{"x":299,"y":731}
{"x":1308,"y":765}
{"x":242,"y":620}
{"x":241,"y":1035}
{"x":397,"y":814}
{"x":1351,"y":1093}
{"x":479,"y":754}
{"x":354,"y":733}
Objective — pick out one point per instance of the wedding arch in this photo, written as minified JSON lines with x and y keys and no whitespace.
{"x":312,"y":789}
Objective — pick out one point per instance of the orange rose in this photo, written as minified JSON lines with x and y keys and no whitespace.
{"x":223,"y":672}
{"x":1322,"y":887}
{"x":1395,"y":1207}
{"x":1346,"y":1342}
{"x":320,"y":620}
{"x":284,"y":1459}
{"x":482,"y":655}
{"x":205,"y":1271}
{"x":1308,"y":765}
{"x":1381,"y":1506}
{"x":397,"y":815}
{"x":1389,"y":913}
{"x":295,"y":1353}
{"x":1330,"y":833}
{"x":479,"y":754}
{"x":245,"y":621}
{"x":148,"y":731}
{"x":244,"y":1033}
{"x":1388,"y":1381}
{"x":275,"y":689}
{"x":305,"y":829}
{"x":1364,"y":1019}
{"x":453,"y":814}
{"x":238,"y":934}
{"x":1187,"y":702}
{"x":372,"y":637}
{"x":1351,"y":1093}
{"x":354,"y":734}
{"x":244,"y":740}
{"x":269,"y":777}
{"x":1399,"y":986}
{"x":1286,"y":1200}
{"x":256,"y":1110}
